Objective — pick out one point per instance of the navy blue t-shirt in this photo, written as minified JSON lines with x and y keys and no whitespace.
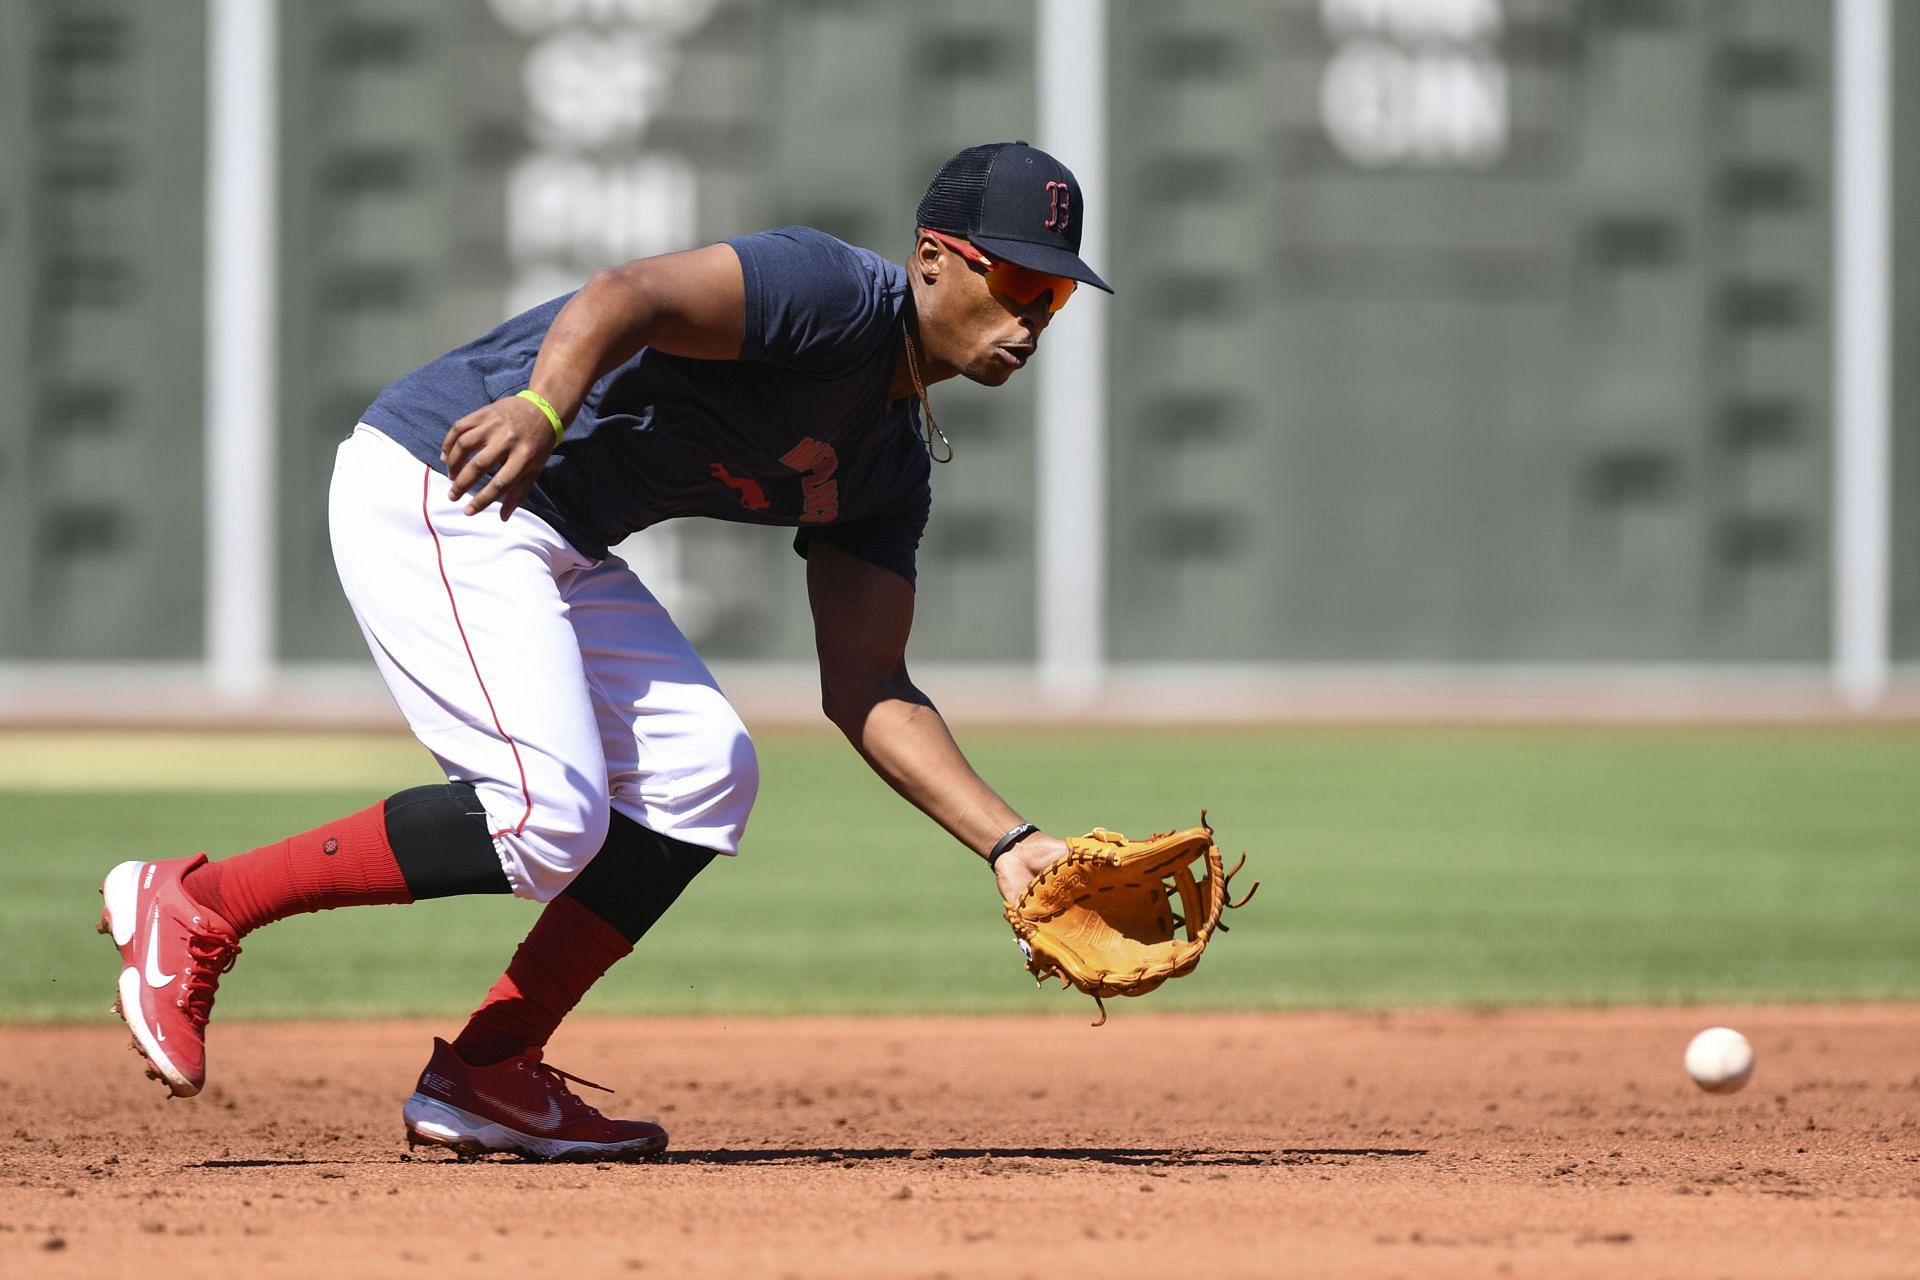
{"x":798,"y":431}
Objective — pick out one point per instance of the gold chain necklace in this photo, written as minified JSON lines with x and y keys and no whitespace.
{"x":932,"y":427}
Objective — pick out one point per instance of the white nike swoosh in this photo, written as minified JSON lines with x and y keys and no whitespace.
{"x":547,"y":1121}
{"x":155,"y":978}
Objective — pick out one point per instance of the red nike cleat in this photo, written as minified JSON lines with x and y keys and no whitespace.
{"x":175,"y":951}
{"x":521,"y":1106}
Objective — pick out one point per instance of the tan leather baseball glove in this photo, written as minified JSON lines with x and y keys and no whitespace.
{"x":1103,"y":918}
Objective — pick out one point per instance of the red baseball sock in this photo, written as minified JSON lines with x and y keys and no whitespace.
{"x":343,"y":863}
{"x":567,"y":951}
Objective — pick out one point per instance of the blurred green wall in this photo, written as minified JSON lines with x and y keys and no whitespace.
{"x":1460,"y":331}
{"x":1906,"y":337}
{"x":1499,"y":337}
{"x":102,"y":165}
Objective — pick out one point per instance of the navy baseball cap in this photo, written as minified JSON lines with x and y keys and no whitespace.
{"x":1015,"y":202}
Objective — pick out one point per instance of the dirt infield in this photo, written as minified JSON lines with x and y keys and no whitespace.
{"x":1458,"y":1144}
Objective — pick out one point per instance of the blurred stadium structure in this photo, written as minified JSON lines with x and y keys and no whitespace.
{"x":1471,"y":357}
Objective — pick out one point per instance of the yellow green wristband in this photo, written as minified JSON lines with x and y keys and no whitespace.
{"x":553,"y":415}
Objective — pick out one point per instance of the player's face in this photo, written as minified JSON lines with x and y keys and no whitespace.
{"x":984,"y":334}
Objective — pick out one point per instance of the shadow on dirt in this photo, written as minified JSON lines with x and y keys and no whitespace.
{"x":1173,"y":1156}
{"x":1167,"y":1157}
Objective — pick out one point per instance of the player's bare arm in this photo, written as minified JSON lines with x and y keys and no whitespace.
{"x":690,"y":304}
{"x":862,"y":615}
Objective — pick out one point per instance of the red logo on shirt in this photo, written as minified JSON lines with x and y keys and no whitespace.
{"x":818,"y":487}
{"x":752,"y":497}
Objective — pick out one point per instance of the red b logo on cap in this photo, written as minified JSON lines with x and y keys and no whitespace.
{"x":1061,"y":210}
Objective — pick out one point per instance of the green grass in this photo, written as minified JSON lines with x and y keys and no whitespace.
{"x":1400,"y":868}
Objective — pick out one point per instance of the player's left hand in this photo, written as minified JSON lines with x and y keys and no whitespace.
{"x":1108,"y":916}
{"x":1019,"y":865}
{"x":509,"y":438}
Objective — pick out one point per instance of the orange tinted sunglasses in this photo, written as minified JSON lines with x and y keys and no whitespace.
{"x":1022,"y":284}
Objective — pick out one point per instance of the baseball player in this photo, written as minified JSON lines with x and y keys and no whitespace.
{"x":592,"y":762}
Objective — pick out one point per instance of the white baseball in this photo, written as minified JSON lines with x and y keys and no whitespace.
{"x":1720,"y":1060}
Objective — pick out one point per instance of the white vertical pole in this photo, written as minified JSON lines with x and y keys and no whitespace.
{"x":1072,"y":454}
{"x":240,"y":338}
{"x":1862,"y":329}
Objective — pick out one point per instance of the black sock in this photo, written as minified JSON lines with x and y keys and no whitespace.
{"x":439,"y":837}
{"x":636,"y":876}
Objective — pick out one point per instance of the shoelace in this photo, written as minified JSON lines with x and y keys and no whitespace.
{"x":553,"y":1079}
{"x":210,"y":956}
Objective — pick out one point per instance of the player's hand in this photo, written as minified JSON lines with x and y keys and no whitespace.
{"x":1019,"y":865}
{"x":509,"y":439}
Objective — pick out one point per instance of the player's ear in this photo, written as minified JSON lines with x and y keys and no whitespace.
{"x":928,"y":258}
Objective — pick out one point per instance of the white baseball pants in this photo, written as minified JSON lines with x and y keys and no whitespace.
{"x":555,"y":685}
